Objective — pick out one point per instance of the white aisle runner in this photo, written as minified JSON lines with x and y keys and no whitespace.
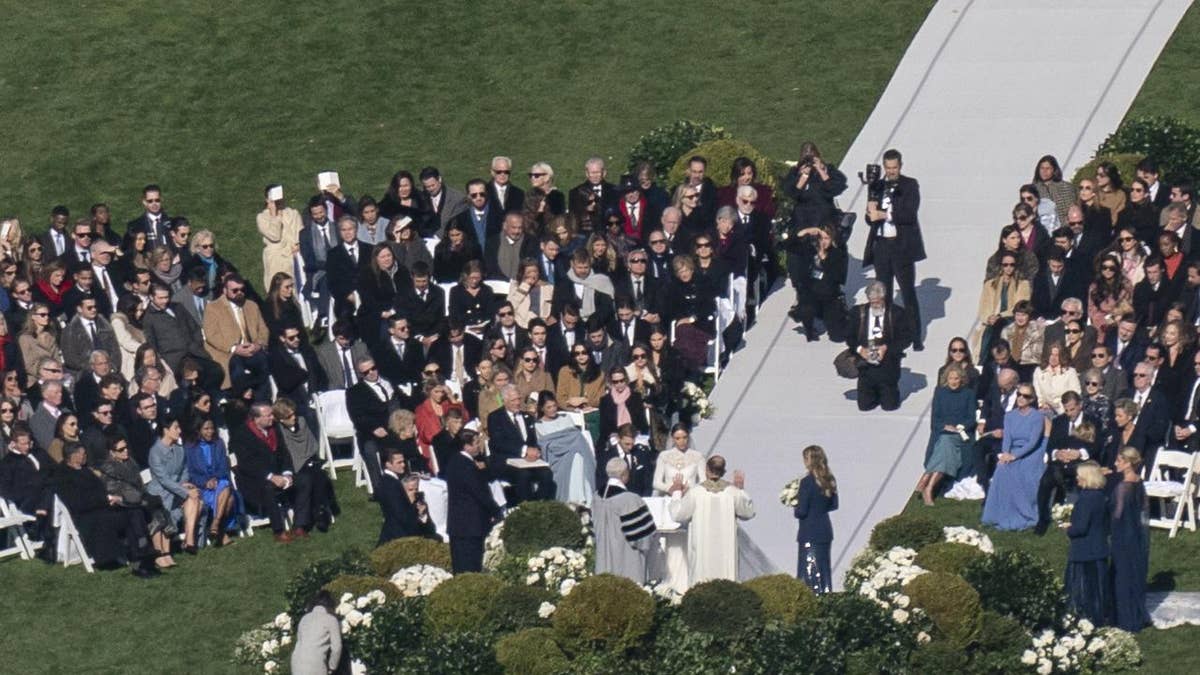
{"x":984,"y":90}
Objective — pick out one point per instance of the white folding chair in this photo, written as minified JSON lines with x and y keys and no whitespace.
{"x":335,"y":423}
{"x":70,"y":545}
{"x":1181,"y":495}
{"x":12,"y":521}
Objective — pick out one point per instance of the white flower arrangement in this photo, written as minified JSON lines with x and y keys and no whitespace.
{"x":1061,"y":514}
{"x":557,"y":569}
{"x":419,"y":580}
{"x":790,"y":494}
{"x":694,"y":397}
{"x":970,"y":537}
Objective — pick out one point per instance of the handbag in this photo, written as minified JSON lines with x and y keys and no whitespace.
{"x":847,"y":364}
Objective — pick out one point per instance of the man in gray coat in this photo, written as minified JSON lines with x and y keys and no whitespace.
{"x":624,"y":527}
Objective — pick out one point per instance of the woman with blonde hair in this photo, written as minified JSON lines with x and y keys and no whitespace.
{"x":816,"y":498}
{"x":1086,"y":579}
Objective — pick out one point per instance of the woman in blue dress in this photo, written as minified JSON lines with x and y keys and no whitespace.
{"x":1012,"y":500}
{"x":1086,"y":579}
{"x":1130,"y":543}
{"x":953,"y":412}
{"x":817,"y":497}
{"x":208,"y":468}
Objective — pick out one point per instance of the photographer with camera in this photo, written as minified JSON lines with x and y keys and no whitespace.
{"x":817,"y":265}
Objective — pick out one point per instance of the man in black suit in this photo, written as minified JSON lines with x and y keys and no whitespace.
{"x":1063,"y":454}
{"x":402,"y":517}
{"x":400,"y":357}
{"x":297,"y":372}
{"x":627,"y":327}
{"x":592,"y":197}
{"x":894,"y":244}
{"x":265,"y":472}
{"x":637,"y":458}
{"x":470,"y":510}
{"x":445,"y":201}
{"x":636,"y":283}
{"x":343,"y":264}
{"x":1183,"y":434}
{"x":501,"y":192}
{"x":424,"y":304}
{"x":456,"y":349}
{"x":511,"y":436}
{"x":880,"y":334}
{"x":1154,"y":411}
{"x":369,"y":403}
{"x":153,"y":220}
{"x":552,"y":265}
{"x":480,"y":218}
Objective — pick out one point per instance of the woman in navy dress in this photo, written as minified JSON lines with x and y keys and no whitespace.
{"x":817,"y":497}
{"x":1012,"y":500}
{"x":1086,"y":579}
{"x":1130,"y":544}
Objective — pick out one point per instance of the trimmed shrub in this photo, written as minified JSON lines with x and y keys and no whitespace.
{"x":720,"y":155}
{"x":947,"y":557}
{"x":1020,"y":585}
{"x":604,"y":611}
{"x":784,"y":597}
{"x":531,"y":652}
{"x":537,"y":526}
{"x":516,"y":607}
{"x":308,"y":581}
{"x":1175,"y":144}
{"x":359,"y":585}
{"x":461,"y":604}
{"x":662,"y":146}
{"x":915,"y":532}
{"x":1125,"y":163}
{"x":951,"y":603}
{"x":408,"y":551}
{"x":721,"y":607}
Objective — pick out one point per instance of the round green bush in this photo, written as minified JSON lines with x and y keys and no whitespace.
{"x":951,"y":603}
{"x":721,"y":607}
{"x":531,"y":652}
{"x":461,"y":603}
{"x":358,"y":585}
{"x":662,"y":146}
{"x":915,"y":532}
{"x":604,"y":611}
{"x":1020,"y":585}
{"x":407,"y":552}
{"x":536,"y":526}
{"x":1126,"y":163}
{"x":308,"y":581}
{"x":948,"y":557}
{"x":720,"y":155}
{"x":784,"y":597}
{"x":516,"y":607}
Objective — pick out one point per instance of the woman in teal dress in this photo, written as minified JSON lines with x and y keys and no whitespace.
{"x":953,"y":412}
{"x":1012,"y":500}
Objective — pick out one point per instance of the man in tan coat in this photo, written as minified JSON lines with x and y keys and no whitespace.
{"x":280,"y":229}
{"x":236,"y":337}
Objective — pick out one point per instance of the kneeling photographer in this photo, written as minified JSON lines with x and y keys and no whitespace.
{"x":817,"y":265}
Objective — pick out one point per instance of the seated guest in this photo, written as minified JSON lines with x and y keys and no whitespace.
{"x":953,"y":412}
{"x":169,"y":481}
{"x":313,"y":501}
{"x":636,"y":456}
{"x":403,"y":516}
{"x":1072,"y":440}
{"x":101,"y":518}
{"x":512,"y":437}
{"x":123,"y":478}
{"x":620,"y":406}
{"x":1012,"y":500}
{"x":264,"y":467}
{"x":208,"y":470}
{"x":1087,"y":583}
{"x":580,"y":381}
{"x":402,"y":436}
{"x":565,"y":448}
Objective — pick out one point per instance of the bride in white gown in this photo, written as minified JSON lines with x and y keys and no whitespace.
{"x":680,"y":460}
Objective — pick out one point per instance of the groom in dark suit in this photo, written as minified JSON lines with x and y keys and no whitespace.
{"x":894,"y":243}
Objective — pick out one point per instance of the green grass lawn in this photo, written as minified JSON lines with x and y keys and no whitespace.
{"x":1173,"y":566}
{"x":1172,"y":89}
{"x":215,"y":100}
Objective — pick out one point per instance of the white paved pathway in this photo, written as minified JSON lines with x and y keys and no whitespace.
{"x":985,"y":89}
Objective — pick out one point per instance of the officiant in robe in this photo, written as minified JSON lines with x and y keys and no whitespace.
{"x":624,"y":527}
{"x":712,"y":510}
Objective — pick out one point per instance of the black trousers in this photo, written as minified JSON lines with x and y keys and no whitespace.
{"x":1056,"y":482}
{"x":891,"y":267}
{"x":466,"y":554}
{"x":879,"y":386}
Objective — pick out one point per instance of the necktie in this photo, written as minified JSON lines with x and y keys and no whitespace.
{"x":347,"y":370}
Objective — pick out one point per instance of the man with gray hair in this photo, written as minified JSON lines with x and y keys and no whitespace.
{"x":502,"y":193}
{"x":624,"y":527}
{"x":881,"y":332}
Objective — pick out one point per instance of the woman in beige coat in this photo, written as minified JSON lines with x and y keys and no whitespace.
{"x":280,"y":230}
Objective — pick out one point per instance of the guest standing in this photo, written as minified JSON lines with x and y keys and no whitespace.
{"x":1130,"y":544}
{"x":817,"y":497}
{"x":1087,"y":558}
{"x":1012,"y":501}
